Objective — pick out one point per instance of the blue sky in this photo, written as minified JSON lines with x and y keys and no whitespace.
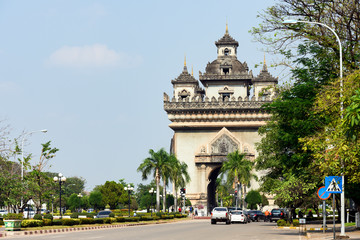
{"x":93,"y":73}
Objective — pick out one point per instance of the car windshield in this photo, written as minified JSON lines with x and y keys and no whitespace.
{"x":104,"y":213}
{"x":276,"y":211}
{"x":221,"y":209}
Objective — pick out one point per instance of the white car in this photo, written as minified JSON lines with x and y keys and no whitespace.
{"x":238,"y":216}
{"x":3,"y":212}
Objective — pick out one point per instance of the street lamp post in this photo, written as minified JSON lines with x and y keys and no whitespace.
{"x":129,"y":189}
{"x":80,"y":196}
{"x":151,"y":191}
{"x":293,"y":21}
{"x":61,"y":179}
{"x":22,"y":155}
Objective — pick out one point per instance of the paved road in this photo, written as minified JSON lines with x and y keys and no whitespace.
{"x":187,"y":230}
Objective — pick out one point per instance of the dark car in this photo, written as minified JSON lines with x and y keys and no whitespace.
{"x":103,"y":214}
{"x":277,"y":214}
{"x":256,"y":215}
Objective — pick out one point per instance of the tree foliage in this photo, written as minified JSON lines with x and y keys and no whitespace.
{"x":253,"y":198}
{"x":342,"y":16}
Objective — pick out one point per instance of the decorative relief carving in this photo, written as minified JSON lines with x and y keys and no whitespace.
{"x":224,"y":145}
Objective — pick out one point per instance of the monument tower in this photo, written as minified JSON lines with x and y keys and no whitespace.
{"x":217,"y":117}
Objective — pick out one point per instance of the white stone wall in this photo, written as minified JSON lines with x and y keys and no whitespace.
{"x":188,"y":144}
{"x":213,"y":91}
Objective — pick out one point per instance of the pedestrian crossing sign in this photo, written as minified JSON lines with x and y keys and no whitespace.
{"x":333,"y":184}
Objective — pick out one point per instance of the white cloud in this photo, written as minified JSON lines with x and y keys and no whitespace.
{"x":97,"y":55}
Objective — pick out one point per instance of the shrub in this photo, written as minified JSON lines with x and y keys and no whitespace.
{"x":74,"y":215}
{"x":296,"y":223}
{"x":47,"y":222}
{"x":1,"y":221}
{"x":281,"y":223}
{"x":112,"y":215}
{"x":32,"y":223}
{"x":48,"y":216}
{"x":90,"y":215}
{"x":99,"y":220}
{"x":167,"y":216}
{"x":109,"y":220}
{"x":120,"y":219}
{"x":87,"y":221}
{"x":146,"y":218}
{"x":70,"y":222}
{"x":37,"y":217}
{"x":13,"y":216}
{"x":56,"y":222}
{"x":132,"y":219}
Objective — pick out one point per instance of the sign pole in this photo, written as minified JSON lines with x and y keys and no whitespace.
{"x":324,"y":216}
{"x":333,"y":207}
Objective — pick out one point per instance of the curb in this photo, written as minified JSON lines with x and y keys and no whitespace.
{"x":61,"y":230}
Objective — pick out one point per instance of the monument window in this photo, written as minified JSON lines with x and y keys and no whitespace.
{"x":226,"y":71}
{"x":224,"y":95}
{"x":226,"y":52}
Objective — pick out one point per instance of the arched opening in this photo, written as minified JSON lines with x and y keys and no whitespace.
{"x":211,"y":189}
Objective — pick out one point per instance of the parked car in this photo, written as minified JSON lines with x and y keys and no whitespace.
{"x":220,"y":214}
{"x":238,"y":216}
{"x":277,"y":213}
{"x":103,"y":214}
{"x":256,"y":215}
{"x":29,"y":213}
{"x":3,"y":212}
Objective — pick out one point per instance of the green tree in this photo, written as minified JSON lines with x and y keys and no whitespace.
{"x":336,"y":148}
{"x":38,"y":181}
{"x":342,"y":16}
{"x":179,"y":176}
{"x":253,"y":198}
{"x":239,"y":171}
{"x":113,"y":194}
{"x":158,"y":164}
{"x":74,"y":202}
{"x":95,"y":200}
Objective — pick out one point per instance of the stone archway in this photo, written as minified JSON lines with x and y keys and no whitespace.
{"x":211,"y":188}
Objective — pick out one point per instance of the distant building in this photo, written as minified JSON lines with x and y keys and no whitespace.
{"x":219,"y":116}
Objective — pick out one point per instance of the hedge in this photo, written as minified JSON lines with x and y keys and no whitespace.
{"x":32,"y":223}
{"x":132,"y":219}
{"x":99,"y":220}
{"x":120,"y":219}
{"x":296,"y":223}
{"x":87,"y":220}
{"x":70,"y":222}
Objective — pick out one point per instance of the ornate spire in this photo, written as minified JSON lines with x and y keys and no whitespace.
{"x":192,"y":70}
{"x":264,"y":66}
{"x":227,"y":29}
{"x":185,"y":68}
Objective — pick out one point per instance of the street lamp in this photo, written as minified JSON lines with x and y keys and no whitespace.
{"x":80,"y":196}
{"x":61,"y":179}
{"x":129,"y":189}
{"x":293,"y":21}
{"x":22,"y":154}
{"x":151,"y":191}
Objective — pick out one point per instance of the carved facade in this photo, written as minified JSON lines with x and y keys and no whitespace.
{"x":222,"y":116}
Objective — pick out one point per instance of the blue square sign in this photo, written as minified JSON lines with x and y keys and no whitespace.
{"x":333,"y":184}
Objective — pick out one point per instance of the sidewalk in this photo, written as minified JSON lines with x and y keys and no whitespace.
{"x":315,"y":231}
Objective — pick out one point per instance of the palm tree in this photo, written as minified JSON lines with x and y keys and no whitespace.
{"x":238,"y":169}
{"x":158,"y":163}
{"x":179,"y":175}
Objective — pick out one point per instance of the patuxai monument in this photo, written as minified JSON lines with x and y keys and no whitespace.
{"x":215,"y":115}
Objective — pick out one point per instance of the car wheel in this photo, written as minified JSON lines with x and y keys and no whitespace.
{"x":227,"y":221}
{"x":213,"y":222}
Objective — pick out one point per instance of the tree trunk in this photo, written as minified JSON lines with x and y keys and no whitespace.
{"x":164,"y":195}
{"x":157,"y":191}
{"x":175,"y":193}
{"x":244,"y":195}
